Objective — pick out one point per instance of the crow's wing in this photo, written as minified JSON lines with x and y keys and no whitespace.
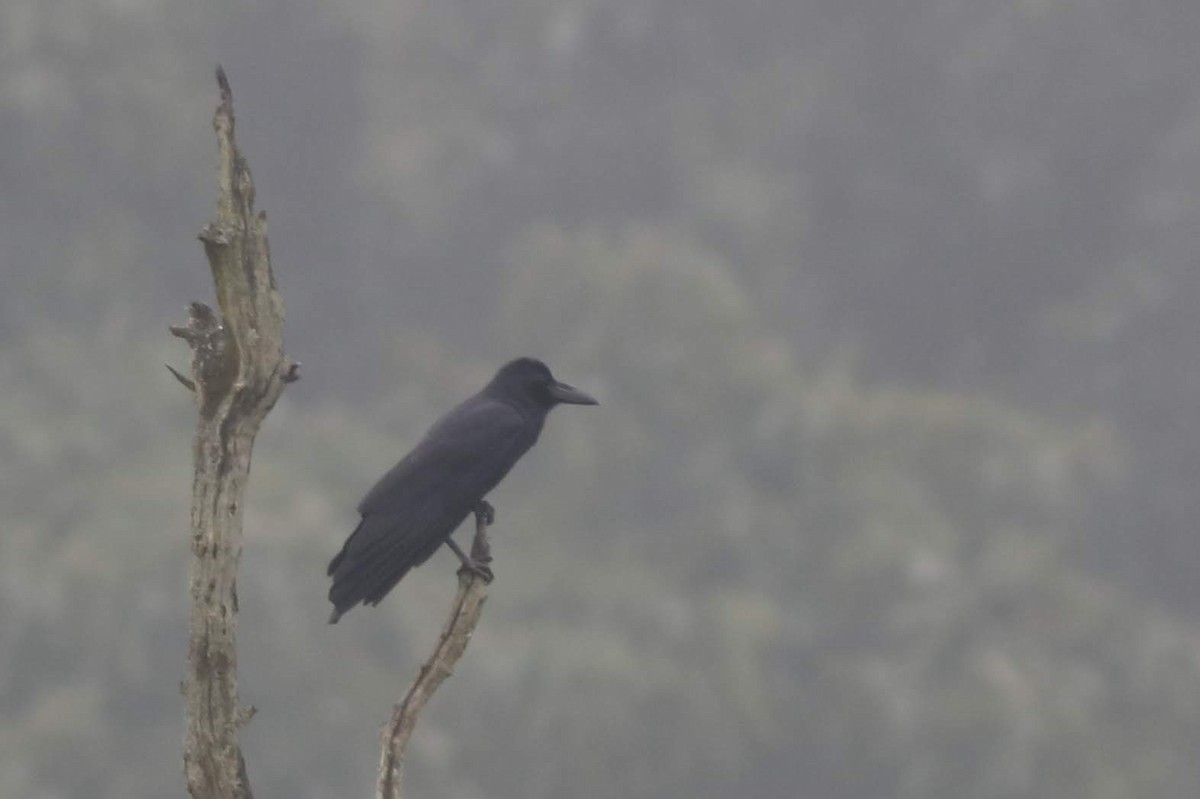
{"x":465,"y":454}
{"x":415,"y":507}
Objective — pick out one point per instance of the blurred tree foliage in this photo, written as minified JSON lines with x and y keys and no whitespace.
{"x":737,"y":577}
{"x":891,"y":310}
{"x":980,"y":197}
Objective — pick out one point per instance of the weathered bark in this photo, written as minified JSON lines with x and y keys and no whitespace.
{"x":238,"y":371}
{"x":464,"y":615}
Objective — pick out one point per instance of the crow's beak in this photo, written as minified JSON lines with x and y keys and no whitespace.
{"x":569,"y":395}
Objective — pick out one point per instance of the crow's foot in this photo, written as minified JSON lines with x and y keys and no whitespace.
{"x":478,"y":568}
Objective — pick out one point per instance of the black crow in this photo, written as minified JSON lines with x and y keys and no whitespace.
{"x":415,"y":507}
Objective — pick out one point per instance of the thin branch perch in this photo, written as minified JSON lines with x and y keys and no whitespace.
{"x":238,"y":371}
{"x":464,"y":615}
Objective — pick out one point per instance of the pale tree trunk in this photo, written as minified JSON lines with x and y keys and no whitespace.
{"x":238,"y":371}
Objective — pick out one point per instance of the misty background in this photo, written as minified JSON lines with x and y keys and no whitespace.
{"x":891,"y":308}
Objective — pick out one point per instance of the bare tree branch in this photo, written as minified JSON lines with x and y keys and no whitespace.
{"x":464,"y":615}
{"x":238,"y":372}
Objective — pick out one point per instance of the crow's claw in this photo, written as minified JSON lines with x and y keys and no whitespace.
{"x":472,"y":565}
{"x":479,"y":568}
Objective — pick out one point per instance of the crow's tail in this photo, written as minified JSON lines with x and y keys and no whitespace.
{"x":374,"y":558}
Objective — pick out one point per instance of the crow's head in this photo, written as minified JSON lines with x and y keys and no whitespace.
{"x":528,"y":381}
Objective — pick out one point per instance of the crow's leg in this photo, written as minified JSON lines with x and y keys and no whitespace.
{"x":478,"y":567}
{"x":485,"y":509}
